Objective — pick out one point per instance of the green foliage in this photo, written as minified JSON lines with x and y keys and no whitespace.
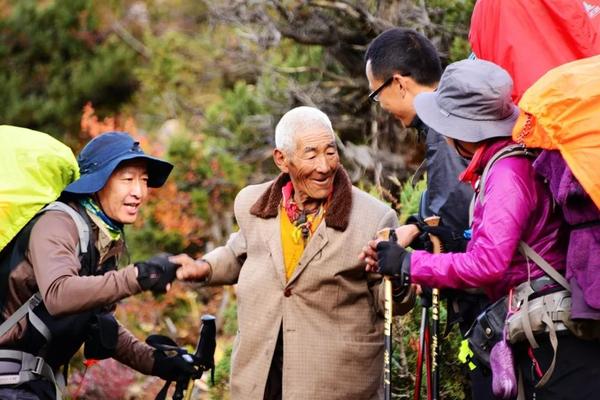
{"x":454,"y":13}
{"x":410,"y":197}
{"x":453,"y":19}
{"x":230,"y":118}
{"x":220,"y":390}
{"x":452,"y":372}
{"x":170,"y":78}
{"x":205,"y":168}
{"x":245,"y":116}
{"x":53,"y":59}
{"x":459,"y":50}
{"x":149,"y":239}
{"x":230,"y":320}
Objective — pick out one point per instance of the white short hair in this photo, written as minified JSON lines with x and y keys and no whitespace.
{"x":299,"y":119}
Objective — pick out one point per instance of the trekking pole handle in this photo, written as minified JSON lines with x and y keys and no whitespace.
{"x":387,"y":234}
{"x":435,"y":241}
{"x":205,"y":350}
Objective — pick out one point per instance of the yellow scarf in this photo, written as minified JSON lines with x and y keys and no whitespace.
{"x":293,"y":242}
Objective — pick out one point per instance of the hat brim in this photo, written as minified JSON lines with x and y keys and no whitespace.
{"x":158,"y":172}
{"x":459,"y":128}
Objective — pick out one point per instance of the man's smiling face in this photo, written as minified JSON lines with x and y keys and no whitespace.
{"x":313,"y":163}
{"x":125,"y":191}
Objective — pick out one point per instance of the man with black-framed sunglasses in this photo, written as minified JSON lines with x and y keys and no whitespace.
{"x":400,"y":64}
{"x":374,"y":95}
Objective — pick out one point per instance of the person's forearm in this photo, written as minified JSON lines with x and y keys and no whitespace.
{"x":69,"y":294}
{"x":133,"y":352}
{"x":224,"y":266}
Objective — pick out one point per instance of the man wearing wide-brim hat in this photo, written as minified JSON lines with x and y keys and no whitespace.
{"x":70,"y":257}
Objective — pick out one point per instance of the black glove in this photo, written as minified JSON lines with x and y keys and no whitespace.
{"x":452,"y":241}
{"x":156,"y":273}
{"x":394,"y":261}
{"x":173,"y":368}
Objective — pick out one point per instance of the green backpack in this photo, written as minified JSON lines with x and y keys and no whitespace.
{"x":34,"y":169}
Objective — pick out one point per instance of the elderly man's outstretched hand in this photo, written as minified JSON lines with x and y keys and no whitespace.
{"x":190,"y":270}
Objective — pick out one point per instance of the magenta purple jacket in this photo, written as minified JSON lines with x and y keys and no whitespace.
{"x":517,"y":206}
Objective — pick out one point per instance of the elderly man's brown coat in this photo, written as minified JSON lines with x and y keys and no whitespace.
{"x":330,"y":310}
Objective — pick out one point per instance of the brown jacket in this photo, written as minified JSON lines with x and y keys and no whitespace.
{"x":330,"y":310}
{"x":51,"y":266}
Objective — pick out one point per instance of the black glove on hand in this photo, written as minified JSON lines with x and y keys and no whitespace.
{"x":173,"y":368}
{"x":394,"y":261}
{"x":156,"y":273}
{"x":452,"y":241}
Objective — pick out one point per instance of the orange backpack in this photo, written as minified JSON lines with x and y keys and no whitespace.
{"x":561,"y":111}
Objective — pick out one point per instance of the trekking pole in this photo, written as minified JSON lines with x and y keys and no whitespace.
{"x":387,"y":234}
{"x":205,"y":350}
{"x":435,"y":318}
{"x":387,"y":355}
{"x":428,"y":358}
{"x":203,"y":358}
{"x":421,"y":352}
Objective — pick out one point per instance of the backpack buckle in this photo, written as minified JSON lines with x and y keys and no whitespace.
{"x":35,"y":301}
{"x":39,"y":366}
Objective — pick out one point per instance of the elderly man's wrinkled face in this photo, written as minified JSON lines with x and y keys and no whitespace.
{"x":125,"y":191}
{"x":313,"y":164}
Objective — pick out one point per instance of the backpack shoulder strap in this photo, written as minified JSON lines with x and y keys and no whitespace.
{"x":18,"y":252}
{"x":27,"y":308}
{"x":508,"y":151}
{"x":82,"y":227}
{"x":527,"y":252}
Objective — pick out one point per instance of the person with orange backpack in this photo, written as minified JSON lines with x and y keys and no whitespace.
{"x":518,"y":248}
{"x":560,"y":115}
{"x":62,"y":280}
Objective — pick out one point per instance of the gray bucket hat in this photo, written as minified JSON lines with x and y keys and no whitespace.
{"x":472,"y":103}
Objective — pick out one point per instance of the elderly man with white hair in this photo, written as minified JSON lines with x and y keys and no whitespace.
{"x":310,"y":318}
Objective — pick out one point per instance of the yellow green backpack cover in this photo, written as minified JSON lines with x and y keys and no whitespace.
{"x":34,"y":169}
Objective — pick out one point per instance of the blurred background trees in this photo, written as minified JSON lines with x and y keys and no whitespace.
{"x":204,"y":83}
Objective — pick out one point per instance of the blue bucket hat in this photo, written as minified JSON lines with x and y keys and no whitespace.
{"x":103,"y":154}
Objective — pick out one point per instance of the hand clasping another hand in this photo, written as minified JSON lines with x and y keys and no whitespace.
{"x":191,"y":270}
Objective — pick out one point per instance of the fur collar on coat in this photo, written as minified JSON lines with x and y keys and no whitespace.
{"x":338,"y":211}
